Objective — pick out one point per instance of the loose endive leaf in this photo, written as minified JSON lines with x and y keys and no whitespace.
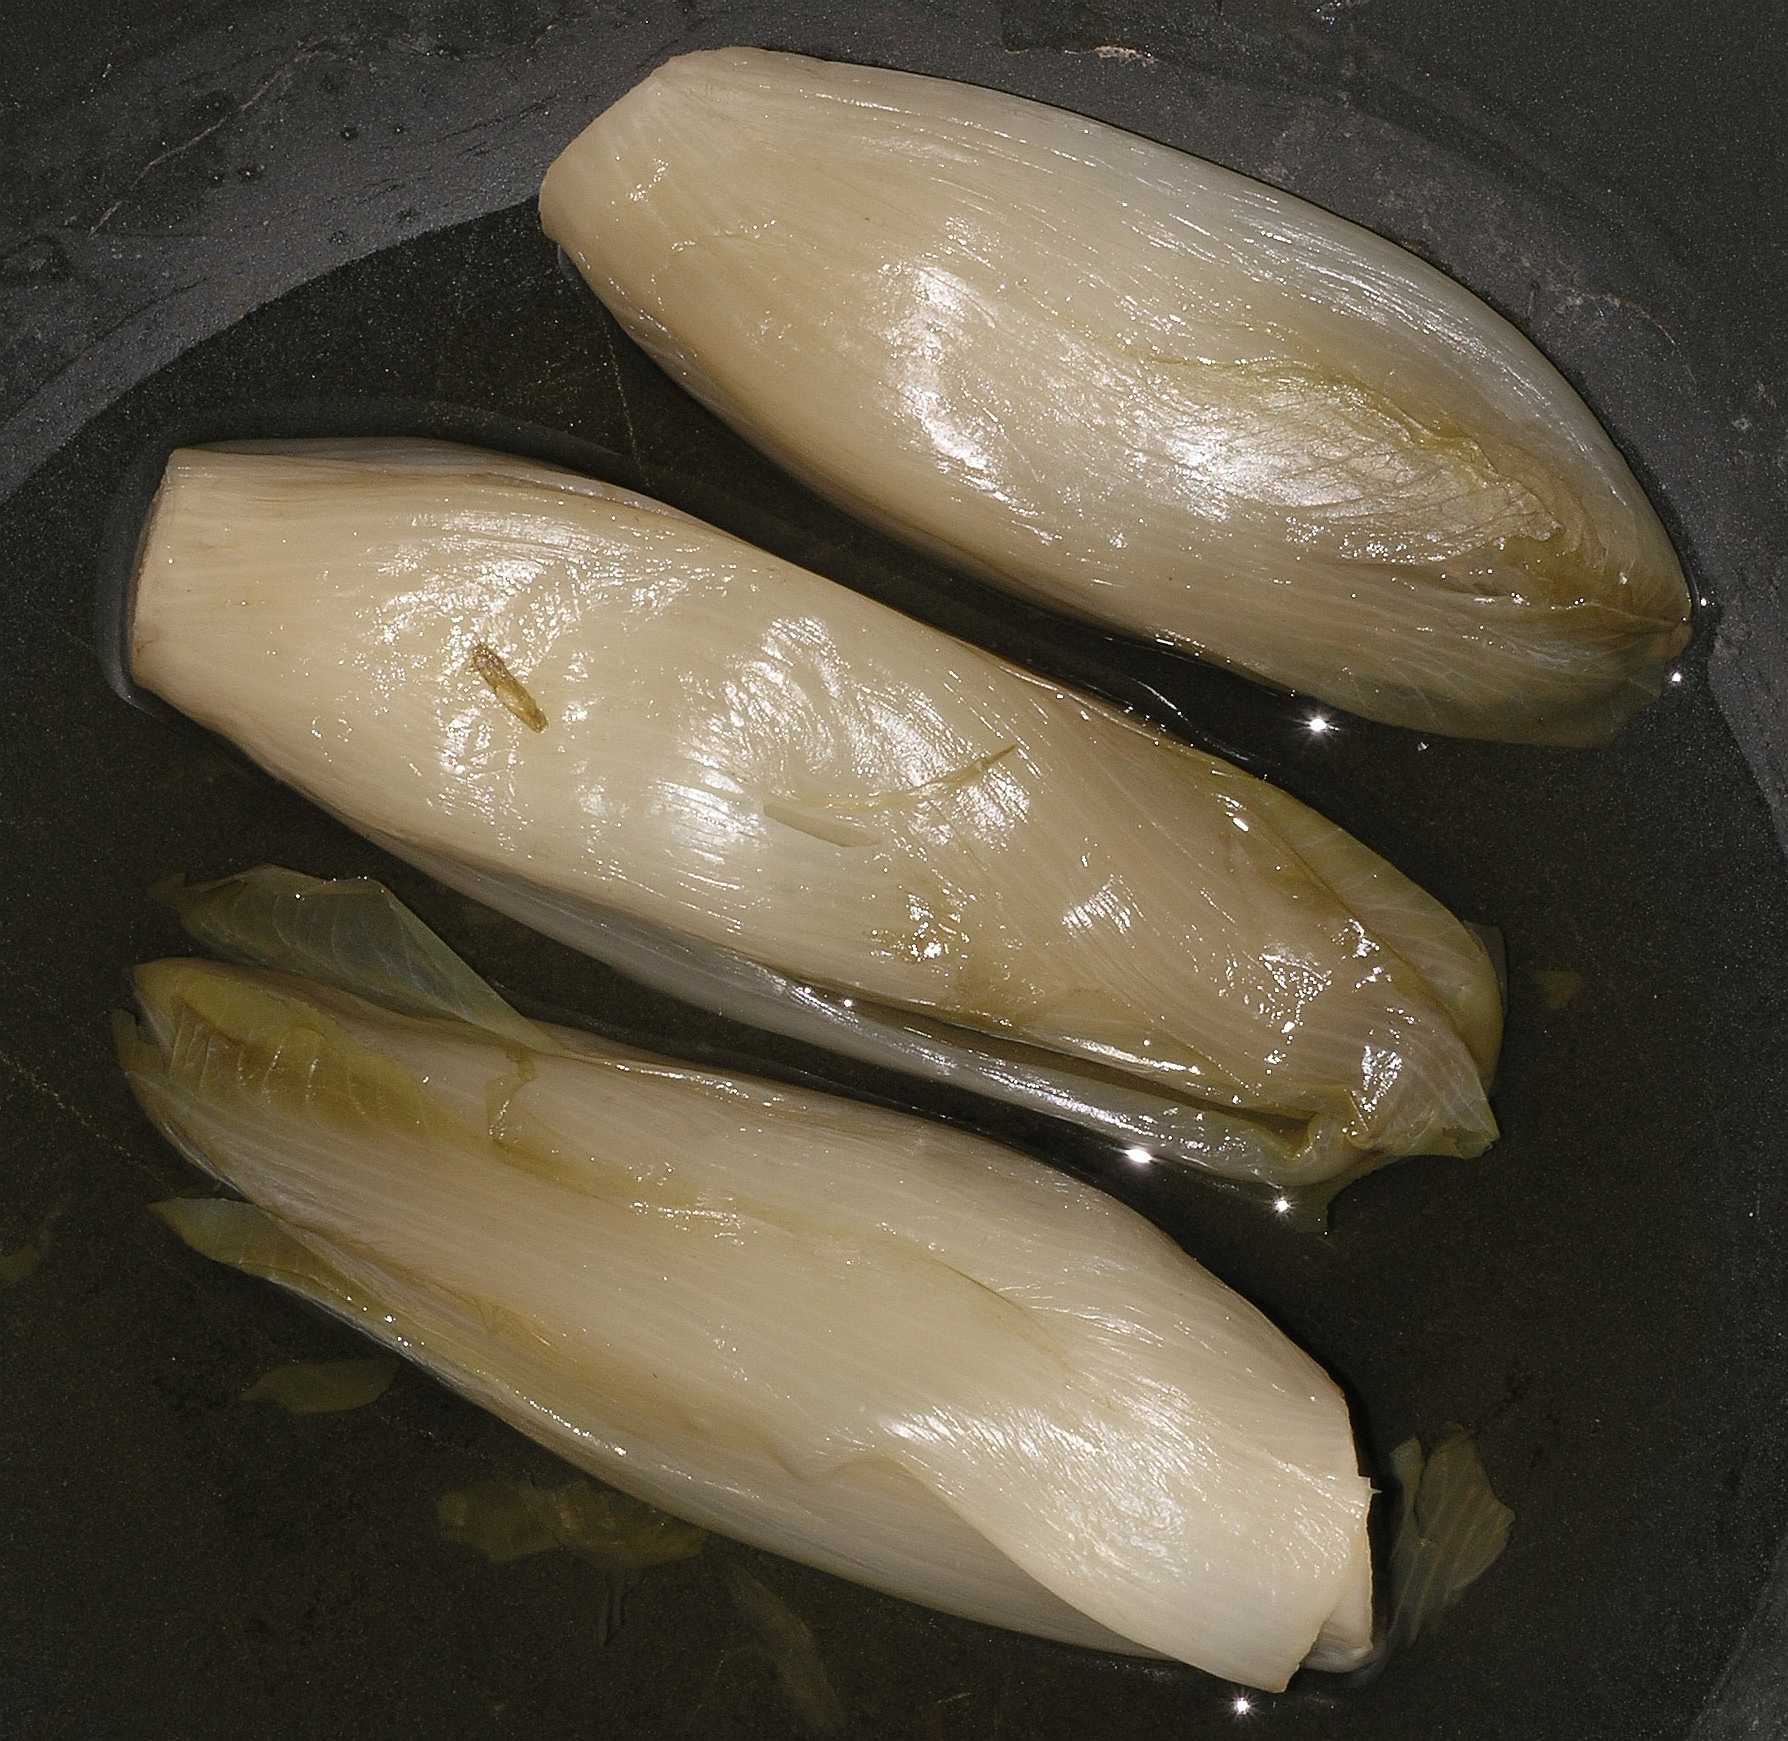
{"x":803,"y":809}
{"x":319,"y":1387}
{"x":509,"y":1520}
{"x":1451,"y":1529}
{"x":888,"y":1348}
{"x":351,"y":933}
{"x":1558,"y":986}
{"x":23,"y":1261}
{"x":789,"y":1643}
{"x":618,"y":1535}
{"x":19,"y":1264}
{"x":1131,"y":384}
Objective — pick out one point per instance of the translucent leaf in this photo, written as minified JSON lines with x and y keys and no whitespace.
{"x":509,"y":1520}
{"x":1451,"y":1529}
{"x":789,"y":1643}
{"x":353,"y":934}
{"x":322,"y":1387}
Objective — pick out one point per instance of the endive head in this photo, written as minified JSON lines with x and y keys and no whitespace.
{"x":567,"y":1266}
{"x":1132,"y":384}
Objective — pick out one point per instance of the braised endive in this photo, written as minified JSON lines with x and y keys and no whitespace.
{"x":778,"y":798}
{"x":890,"y":1349}
{"x":1132,"y":384}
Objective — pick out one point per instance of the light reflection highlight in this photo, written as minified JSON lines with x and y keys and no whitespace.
{"x":1319,"y":724}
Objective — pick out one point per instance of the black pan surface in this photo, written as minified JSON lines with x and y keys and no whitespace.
{"x":269,"y":217}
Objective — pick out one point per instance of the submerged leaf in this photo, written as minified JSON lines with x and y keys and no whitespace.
{"x":508,"y":1520}
{"x":789,"y":1643}
{"x":619,"y":1535}
{"x":19,"y":1263}
{"x":1558,"y":986}
{"x":24,"y":1261}
{"x":319,"y":1387}
{"x":1451,"y":1528}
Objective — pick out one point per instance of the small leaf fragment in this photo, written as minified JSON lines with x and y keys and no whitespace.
{"x":1451,"y":1528}
{"x":16,"y":1265}
{"x":321,"y":1387}
{"x":509,"y":1520}
{"x":617,"y":1534}
{"x":1557,"y":985}
{"x":789,"y":1643}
